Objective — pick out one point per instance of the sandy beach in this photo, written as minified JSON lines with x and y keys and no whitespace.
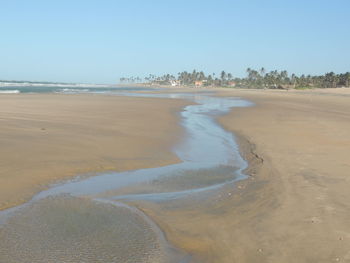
{"x":295,"y":205}
{"x":175,"y":131}
{"x":46,"y":138}
{"x":298,"y":202}
{"x":293,"y":208}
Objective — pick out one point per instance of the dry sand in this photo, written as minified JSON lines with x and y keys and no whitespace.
{"x":300,"y":201}
{"x":296,"y":205}
{"x":49,"y":137}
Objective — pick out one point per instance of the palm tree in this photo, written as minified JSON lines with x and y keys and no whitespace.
{"x":293,"y":79}
{"x":249,"y":71}
{"x":262,"y":71}
{"x":330,"y":80}
{"x":284,"y":79}
{"x":223,"y":75}
{"x":347,"y":79}
{"x":210,"y":80}
{"x":201,"y":75}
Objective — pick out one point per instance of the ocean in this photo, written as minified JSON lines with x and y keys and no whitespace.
{"x":13,"y":88}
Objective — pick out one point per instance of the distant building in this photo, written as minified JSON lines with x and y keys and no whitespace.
{"x":198,"y":83}
{"x":232,"y":84}
{"x":175,"y":83}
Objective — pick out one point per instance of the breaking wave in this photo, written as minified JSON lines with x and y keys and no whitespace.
{"x":9,"y":91}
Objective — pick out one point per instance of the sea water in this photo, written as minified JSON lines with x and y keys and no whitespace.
{"x":11,"y":88}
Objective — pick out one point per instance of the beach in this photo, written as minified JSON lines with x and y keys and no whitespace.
{"x":47,"y":138}
{"x":121,"y":143}
{"x":299,"y":201}
{"x":295,"y":205}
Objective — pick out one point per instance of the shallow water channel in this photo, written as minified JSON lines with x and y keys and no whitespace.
{"x":91,"y":219}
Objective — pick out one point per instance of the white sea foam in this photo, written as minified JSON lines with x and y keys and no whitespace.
{"x":66,"y":90}
{"x":9,"y":91}
{"x":62,"y":85}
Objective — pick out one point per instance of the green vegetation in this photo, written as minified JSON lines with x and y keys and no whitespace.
{"x":255,"y":79}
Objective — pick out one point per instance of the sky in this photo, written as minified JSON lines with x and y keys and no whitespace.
{"x":99,"y":41}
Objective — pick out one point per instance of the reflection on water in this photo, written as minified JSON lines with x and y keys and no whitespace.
{"x":84,"y":221}
{"x":177,"y":184}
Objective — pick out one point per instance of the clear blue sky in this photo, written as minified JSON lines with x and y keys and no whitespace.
{"x":99,"y":41}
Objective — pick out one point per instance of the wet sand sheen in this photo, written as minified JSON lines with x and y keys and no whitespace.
{"x":67,"y":229}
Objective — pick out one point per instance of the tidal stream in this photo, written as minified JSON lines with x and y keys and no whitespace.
{"x":92,"y":219}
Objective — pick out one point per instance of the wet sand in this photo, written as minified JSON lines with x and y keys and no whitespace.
{"x":210,"y":159}
{"x":67,"y":229}
{"x":45,"y":138}
{"x":295,"y":206}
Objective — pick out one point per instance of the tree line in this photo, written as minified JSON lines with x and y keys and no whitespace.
{"x":254,"y":79}
{"x":281,"y":79}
